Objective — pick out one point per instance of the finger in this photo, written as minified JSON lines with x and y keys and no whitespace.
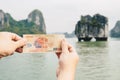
{"x":15,"y":37}
{"x":10,"y":54}
{"x":20,"y":50}
{"x":71,"y":48}
{"x":1,"y":56}
{"x":20,"y":43}
{"x":64,"y":46}
{"x":4,"y":55}
{"x":58,"y":54}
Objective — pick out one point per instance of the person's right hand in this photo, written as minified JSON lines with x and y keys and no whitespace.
{"x":9,"y":43}
{"x":68,"y":60}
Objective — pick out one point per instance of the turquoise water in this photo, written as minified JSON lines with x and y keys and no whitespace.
{"x":98,"y":61}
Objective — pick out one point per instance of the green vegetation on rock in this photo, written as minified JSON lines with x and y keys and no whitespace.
{"x":26,"y":26}
{"x":88,"y":27}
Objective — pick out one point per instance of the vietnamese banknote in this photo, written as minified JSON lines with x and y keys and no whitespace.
{"x":39,"y":43}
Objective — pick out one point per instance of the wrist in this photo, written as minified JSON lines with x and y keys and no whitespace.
{"x":66,"y":74}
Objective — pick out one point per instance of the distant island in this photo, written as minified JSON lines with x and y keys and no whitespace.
{"x":34,"y":24}
{"x":92,"y":27}
{"x":115,"y":32}
{"x":67,"y":35}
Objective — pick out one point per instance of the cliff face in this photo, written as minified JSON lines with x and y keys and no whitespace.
{"x":4,"y":20}
{"x":37,"y":18}
{"x":115,"y":32}
{"x":33,"y":24}
{"x":89,"y":27}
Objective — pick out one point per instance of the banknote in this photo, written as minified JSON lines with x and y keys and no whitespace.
{"x":39,"y":43}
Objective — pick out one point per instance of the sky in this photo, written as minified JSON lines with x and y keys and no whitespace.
{"x":62,"y":15}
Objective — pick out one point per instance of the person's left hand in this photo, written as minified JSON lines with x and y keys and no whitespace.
{"x":9,"y":43}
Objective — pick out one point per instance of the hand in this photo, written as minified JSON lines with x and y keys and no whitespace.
{"x":68,"y":60}
{"x":9,"y":43}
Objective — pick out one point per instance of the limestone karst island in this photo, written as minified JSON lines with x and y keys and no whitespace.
{"x":92,"y":27}
{"x":115,"y":32}
{"x":87,"y":27}
{"x":34,"y":24}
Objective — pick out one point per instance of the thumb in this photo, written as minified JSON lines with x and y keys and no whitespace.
{"x":64,"y":46}
{"x":20,"y":43}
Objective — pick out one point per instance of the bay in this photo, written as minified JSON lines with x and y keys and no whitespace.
{"x":98,"y":61}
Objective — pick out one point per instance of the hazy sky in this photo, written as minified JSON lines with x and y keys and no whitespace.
{"x":62,"y":15}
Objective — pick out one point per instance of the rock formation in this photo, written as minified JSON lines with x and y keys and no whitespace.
{"x":4,"y":21}
{"x":115,"y":32}
{"x":69,"y":35}
{"x":89,"y":27}
{"x":37,"y":18}
{"x":33,"y":24}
